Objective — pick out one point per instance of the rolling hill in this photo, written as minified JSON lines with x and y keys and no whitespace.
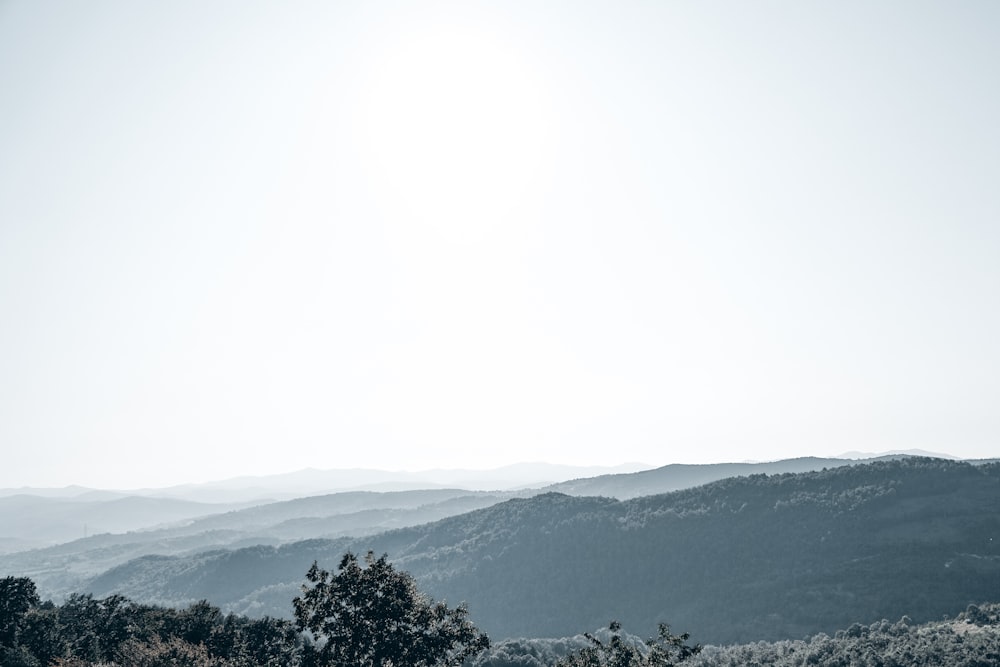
{"x":59,"y":569}
{"x":741,"y":559}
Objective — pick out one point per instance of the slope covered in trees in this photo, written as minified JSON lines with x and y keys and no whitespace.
{"x":743,"y":559}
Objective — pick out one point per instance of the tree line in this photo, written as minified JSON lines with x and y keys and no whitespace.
{"x":369,"y":614}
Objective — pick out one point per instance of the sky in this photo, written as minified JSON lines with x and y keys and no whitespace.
{"x":252,"y":237}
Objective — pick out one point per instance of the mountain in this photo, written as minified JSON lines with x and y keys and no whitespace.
{"x":897,"y":452}
{"x":678,"y":476}
{"x":741,"y":559}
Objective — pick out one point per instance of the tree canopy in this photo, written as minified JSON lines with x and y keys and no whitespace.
{"x":374,"y":616}
{"x":17,"y":596}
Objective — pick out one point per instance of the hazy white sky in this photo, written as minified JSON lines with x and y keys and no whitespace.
{"x":250,"y":237}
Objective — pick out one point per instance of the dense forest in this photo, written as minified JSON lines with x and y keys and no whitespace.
{"x":764,"y":557}
{"x":85,"y":631}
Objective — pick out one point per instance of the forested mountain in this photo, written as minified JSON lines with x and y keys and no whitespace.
{"x":746,"y":558}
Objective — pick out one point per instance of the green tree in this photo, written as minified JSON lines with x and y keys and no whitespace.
{"x":664,"y":650}
{"x":374,"y":616}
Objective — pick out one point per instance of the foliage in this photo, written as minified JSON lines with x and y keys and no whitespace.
{"x":17,"y":596}
{"x":665,"y":650}
{"x":970,"y":640}
{"x":374,"y":616}
{"x":371,"y":615}
{"x":115,"y":631}
{"x":528,"y":652}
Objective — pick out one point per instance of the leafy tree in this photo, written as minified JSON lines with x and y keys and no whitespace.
{"x":665,"y":650}
{"x":17,"y":596}
{"x":374,"y":616}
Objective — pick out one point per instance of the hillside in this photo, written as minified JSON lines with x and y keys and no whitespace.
{"x":748,"y":558}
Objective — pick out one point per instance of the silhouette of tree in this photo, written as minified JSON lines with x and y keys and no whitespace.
{"x":374,"y":616}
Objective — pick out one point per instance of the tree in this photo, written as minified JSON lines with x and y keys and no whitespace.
{"x":665,"y":650}
{"x":374,"y":616}
{"x":17,"y":596}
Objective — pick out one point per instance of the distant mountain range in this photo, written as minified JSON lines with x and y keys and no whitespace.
{"x":745,"y":558}
{"x":120,"y":526}
{"x":762,"y":556}
{"x":695,"y":521}
{"x":310,"y":481}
